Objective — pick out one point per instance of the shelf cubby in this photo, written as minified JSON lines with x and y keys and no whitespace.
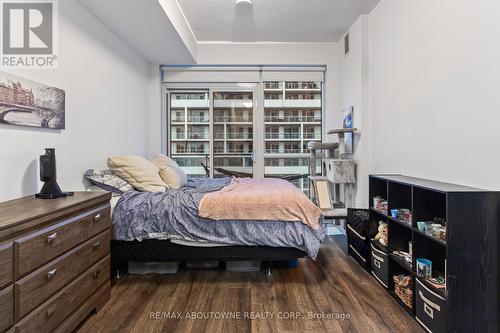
{"x":378,"y":188}
{"x":399,"y":196}
{"x":399,"y":237}
{"x":428,"y":205}
{"x":426,"y":248}
{"x":394,"y":270}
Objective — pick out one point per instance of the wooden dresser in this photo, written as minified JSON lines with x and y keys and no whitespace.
{"x":54,"y":261}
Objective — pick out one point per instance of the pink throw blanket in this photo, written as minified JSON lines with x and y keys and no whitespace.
{"x":267,"y":199}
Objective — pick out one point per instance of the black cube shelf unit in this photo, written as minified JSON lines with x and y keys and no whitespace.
{"x":468,"y":258}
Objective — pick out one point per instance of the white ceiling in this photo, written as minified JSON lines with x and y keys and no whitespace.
{"x":273,"y":20}
{"x":145,"y":26}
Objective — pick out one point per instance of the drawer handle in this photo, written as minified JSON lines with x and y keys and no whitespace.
{"x":96,"y":245}
{"x":377,"y":257}
{"x":96,"y":274}
{"x":52,"y":238}
{"x":428,"y":302}
{"x":97,"y":217}
{"x":429,"y":311}
{"x":50,"y":311}
{"x":51,"y":274}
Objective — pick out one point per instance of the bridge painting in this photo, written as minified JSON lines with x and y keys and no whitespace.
{"x":28,"y":103}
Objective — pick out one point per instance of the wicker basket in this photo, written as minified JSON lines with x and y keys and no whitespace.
{"x":403,"y":286}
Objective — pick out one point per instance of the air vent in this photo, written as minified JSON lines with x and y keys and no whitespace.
{"x":346,"y":44}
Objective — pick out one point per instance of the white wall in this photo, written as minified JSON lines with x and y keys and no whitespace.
{"x":354,"y":91}
{"x":435,"y":98}
{"x":106,"y":97}
{"x":154,"y":114}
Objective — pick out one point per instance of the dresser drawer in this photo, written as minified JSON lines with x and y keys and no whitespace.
{"x":34,"y":250}
{"x":5,"y":264}
{"x":36,"y":287}
{"x":50,"y":314}
{"x":6,"y":308}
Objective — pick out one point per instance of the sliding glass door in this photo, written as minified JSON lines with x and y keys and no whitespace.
{"x":212,"y":131}
{"x":255,"y":130}
{"x":189,"y":130}
{"x":292,"y":118}
{"x":233,"y":137}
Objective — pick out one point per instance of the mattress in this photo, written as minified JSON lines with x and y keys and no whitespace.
{"x":174,"y":215}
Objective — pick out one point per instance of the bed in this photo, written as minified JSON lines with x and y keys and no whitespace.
{"x":167,"y":226}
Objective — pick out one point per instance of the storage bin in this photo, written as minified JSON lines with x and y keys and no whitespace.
{"x":358,"y":247}
{"x":379,"y":264}
{"x":141,"y":268}
{"x":359,"y":231}
{"x":359,"y":220}
{"x":430,"y":308}
{"x":243,"y":266}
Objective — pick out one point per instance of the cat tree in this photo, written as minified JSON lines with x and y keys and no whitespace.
{"x":338,"y":175}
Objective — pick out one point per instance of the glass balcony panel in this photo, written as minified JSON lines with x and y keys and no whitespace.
{"x":190,"y":141}
{"x":300,"y":105}
{"x":233,"y":128}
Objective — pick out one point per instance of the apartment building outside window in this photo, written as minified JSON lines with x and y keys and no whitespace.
{"x":189,"y":131}
{"x":261,"y":129}
{"x":291,"y":121}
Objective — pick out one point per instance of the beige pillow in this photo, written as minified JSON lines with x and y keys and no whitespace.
{"x":138,"y":172}
{"x":173,"y":176}
{"x":163,"y":161}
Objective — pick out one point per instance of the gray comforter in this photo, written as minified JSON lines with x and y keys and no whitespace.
{"x":174,"y":214}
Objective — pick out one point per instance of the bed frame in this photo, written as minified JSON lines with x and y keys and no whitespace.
{"x":154,"y":250}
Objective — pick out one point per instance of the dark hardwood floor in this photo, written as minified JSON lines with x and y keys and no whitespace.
{"x":334,"y":287}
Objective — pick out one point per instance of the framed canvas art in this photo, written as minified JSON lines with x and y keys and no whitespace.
{"x":348,"y":122}
{"x":25,"y":102}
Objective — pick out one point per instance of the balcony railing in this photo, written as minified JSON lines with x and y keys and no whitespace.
{"x":198,"y":119}
{"x":231,"y":151}
{"x":302,"y":97}
{"x":232,"y":119}
{"x":293,"y":119}
{"x":177,"y":119}
{"x":283,"y":151}
{"x":273,"y":96}
{"x":234,"y":136}
{"x":188,"y":97}
{"x":272,"y":85}
{"x":190,"y":151}
{"x":301,"y":85}
{"x":178,"y":136}
{"x":315,"y":136}
{"x":307,"y":119}
{"x":198,"y":136}
{"x":282,"y":135}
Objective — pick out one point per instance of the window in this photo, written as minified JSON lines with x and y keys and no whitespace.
{"x":233,"y":130}
{"x":290,"y":123}
{"x":223,"y":124}
{"x":189,"y":131}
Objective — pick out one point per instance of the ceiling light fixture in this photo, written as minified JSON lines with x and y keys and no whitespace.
{"x":244,"y":4}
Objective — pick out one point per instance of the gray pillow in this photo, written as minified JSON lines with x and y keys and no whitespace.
{"x":108,"y":181}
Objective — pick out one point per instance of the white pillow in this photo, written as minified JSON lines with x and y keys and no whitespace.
{"x":162,"y":161}
{"x":173,"y":176}
{"x":138,"y":172}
